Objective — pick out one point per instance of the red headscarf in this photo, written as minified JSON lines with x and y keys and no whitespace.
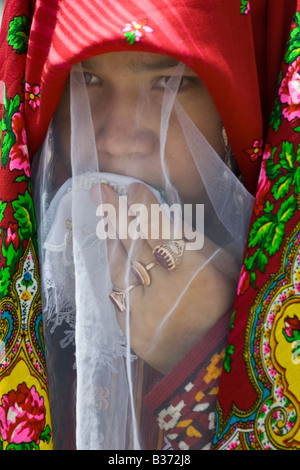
{"x":235,"y":46}
{"x":237,"y":55}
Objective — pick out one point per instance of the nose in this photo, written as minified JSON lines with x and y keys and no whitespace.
{"x":123,"y":127}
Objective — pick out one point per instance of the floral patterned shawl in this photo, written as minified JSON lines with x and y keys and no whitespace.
{"x":246,"y":53}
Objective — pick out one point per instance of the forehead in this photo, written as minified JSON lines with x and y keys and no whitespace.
{"x":131,"y":61}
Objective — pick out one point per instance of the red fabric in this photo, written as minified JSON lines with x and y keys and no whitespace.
{"x":191,"y":386}
{"x":239,"y":392}
{"x":237,"y":56}
{"x":237,"y":68}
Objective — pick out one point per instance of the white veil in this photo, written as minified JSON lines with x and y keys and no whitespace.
{"x":90,"y":361}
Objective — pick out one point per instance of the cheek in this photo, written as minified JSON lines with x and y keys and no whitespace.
{"x":202,"y":111}
{"x":210,"y":125}
{"x":182,"y":169}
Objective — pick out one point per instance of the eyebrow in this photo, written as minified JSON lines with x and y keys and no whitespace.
{"x":162,"y":63}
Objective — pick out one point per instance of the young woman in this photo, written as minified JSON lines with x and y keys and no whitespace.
{"x":141,"y":110}
{"x":142,"y":134}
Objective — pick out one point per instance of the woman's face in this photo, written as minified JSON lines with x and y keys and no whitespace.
{"x":126,"y":91}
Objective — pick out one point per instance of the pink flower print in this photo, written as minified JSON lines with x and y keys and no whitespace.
{"x":19,"y":159}
{"x":136,"y":30}
{"x":292,"y":327}
{"x":245,"y":7}
{"x":233,"y":445}
{"x":282,"y":298}
{"x":256,"y":151}
{"x":2,"y":92}
{"x":264,"y":184}
{"x":290,"y":424}
{"x":267,"y":348}
{"x":289,"y":91}
{"x":264,"y":409}
{"x":22,"y":415}
{"x":269,"y":299}
{"x":271,"y":318}
{"x":280,"y":392}
{"x":244,"y":281}
{"x":12,"y":236}
{"x":32,"y":95}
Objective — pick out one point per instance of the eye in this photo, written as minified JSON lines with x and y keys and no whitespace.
{"x":90,"y":78}
{"x":163,"y":82}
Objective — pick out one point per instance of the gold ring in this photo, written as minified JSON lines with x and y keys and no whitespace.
{"x":169,"y":254}
{"x":141,"y":272}
{"x":118,"y":297}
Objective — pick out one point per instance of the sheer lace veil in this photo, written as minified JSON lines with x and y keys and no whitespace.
{"x":90,"y":360}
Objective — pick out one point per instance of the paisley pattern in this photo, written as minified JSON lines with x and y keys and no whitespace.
{"x":273,"y":421}
{"x":24,"y":404}
{"x":259,"y":399}
{"x":9,"y":328}
{"x":22,"y":348}
{"x":258,"y":402}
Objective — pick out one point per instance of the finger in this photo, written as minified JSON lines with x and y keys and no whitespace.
{"x":159,"y":229}
{"x":121,"y":252}
{"x":157,"y":225}
{"x":126,"y":226}
{"x":106,"y":199}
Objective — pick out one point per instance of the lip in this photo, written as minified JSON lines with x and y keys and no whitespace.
{"x":146,"y":170}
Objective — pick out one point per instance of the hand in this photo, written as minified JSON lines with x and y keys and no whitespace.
{"x":168,"y":317}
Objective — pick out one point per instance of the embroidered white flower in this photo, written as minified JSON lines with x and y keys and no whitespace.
{"x":136,"y":30}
